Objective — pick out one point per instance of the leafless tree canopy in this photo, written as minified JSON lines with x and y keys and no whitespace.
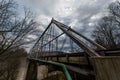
{"x":13,"y":29}
{"x":107,"y":31}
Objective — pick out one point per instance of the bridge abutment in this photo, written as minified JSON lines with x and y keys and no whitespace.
{"x":22,"y":71}
{"x":107,"y":67}
{"x":42,"y":72}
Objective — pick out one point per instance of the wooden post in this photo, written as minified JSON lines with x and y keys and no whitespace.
{"x":51,"y":58}
{"x":107,"y":67}
{"x":47,"y":58}
{"x":67,"y":58}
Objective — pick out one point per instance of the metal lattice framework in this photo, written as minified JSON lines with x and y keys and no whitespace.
{"x":59,"y":38}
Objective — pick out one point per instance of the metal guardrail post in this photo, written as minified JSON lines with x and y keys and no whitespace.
{"x":67,"y":74}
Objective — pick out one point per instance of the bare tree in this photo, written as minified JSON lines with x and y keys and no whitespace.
{"x":107,"y":31}
{"x":14,"y":30}
{"x":114,"y":9}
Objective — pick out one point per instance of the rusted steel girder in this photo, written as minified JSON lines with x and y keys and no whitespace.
{"x":87,"y":49}
{"x":92,"y":42}
{"x":70,"y":29}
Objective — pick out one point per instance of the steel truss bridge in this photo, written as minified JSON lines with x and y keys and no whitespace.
{"x":67,"y":50}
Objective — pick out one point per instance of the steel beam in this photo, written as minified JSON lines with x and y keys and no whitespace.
{"x":70,"y":29}
{"x":87,"y":49}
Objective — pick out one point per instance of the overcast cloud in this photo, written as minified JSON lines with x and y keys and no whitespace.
{"x":79,"y":14}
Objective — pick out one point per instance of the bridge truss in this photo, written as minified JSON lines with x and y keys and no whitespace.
{"x":59,"y":39}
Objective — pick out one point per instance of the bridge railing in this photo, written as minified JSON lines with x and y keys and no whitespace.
{"x":66,"y":73}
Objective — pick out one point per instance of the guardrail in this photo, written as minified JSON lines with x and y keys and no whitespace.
{"x":67,"y":74}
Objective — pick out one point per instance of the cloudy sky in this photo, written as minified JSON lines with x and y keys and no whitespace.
{"x":81,"y":15}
